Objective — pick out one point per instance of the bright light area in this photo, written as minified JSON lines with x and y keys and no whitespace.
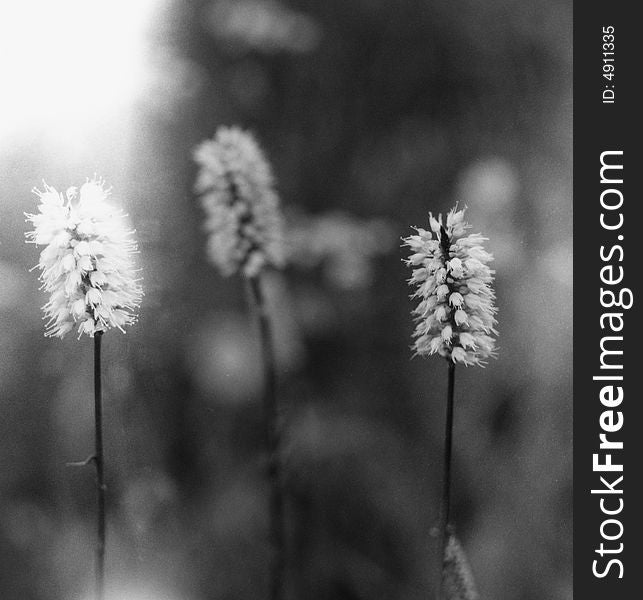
{"x":66,"y":63}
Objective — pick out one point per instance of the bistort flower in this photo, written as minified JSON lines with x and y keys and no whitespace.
{"x":458,"y":577}
{"x":236,"y":185}
{"x":455,"y":315}
{"x":86,"y":265}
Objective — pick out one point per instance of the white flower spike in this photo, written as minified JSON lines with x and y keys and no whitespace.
{"x":236,"y":185}
{"x":455,"y":317}
{"x":86,"y":265}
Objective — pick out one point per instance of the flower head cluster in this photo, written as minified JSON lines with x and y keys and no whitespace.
{"x":243,"y":219}
{"x":86,"y":265}
{"x":455,"y":315}
{"x":458,"y":576}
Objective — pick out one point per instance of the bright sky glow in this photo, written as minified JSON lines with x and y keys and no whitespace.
{"x":67,"y":63}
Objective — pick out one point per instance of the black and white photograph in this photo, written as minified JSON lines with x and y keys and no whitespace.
{"x":286,"y":304}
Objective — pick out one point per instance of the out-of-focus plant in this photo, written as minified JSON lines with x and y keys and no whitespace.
{"x":458,"y":579}
{"x":455,"y":319}
{"x":343,"y":245}
{"x":268,"y":26}
{"x":87,"y":268}
{"x":244,"y":223}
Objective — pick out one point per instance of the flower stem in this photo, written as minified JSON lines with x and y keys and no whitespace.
{"x":446,"y":480}
{"x":271,"y":412}
{"x":98,"y":461}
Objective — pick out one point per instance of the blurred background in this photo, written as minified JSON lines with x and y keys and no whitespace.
{"x":373,"y":113}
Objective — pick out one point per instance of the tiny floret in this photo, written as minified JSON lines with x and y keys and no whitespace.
{"x":86,"y":265}
{"x":243,"y":217}
{"x":455,"y":315}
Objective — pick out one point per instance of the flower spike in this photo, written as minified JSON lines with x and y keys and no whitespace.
{"x":237,"y":192}
{"x":86,"y":264}
{"x":455,"y":316}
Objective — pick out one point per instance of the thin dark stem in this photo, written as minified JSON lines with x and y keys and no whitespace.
{"x":98,"y":461}
{"x":446,"y":479}
{"x":277,"y":538}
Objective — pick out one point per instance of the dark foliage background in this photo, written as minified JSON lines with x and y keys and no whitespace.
{"x":373,"y":113}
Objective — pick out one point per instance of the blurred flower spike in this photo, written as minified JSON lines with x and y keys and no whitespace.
{"x":455,"y":315}
{"x":87,"y":264}
{"x":243,"y":217}
{"x":458,"y":577}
